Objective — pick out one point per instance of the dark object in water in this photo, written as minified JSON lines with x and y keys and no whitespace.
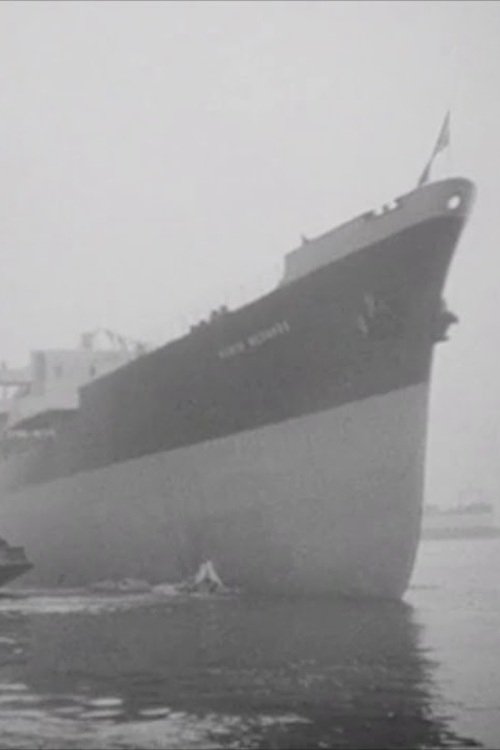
{"x":13,"y":562}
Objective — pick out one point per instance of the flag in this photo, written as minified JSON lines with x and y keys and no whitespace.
{"x":442,"y":142}
{"x":444,"y":136}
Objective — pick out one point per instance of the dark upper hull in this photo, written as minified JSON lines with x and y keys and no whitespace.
{"x":362,"y":326}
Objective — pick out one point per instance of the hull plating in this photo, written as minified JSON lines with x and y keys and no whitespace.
{"x":325,"y":503}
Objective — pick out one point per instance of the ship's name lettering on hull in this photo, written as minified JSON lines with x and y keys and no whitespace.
{"x":255,"y":340}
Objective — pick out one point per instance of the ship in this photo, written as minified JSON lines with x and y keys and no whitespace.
{"x":283,"y":441}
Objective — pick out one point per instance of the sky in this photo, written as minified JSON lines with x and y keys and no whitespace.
{"x":159,"y":159}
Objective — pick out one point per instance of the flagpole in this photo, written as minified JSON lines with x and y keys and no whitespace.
{"x":443,"y":142}
{"x":450,"y":153}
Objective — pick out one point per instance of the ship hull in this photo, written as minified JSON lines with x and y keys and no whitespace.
{"x":326,"y":503}
{"x":283,"y":441}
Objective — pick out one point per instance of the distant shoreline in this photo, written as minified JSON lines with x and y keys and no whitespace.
{"x":470,"y":533}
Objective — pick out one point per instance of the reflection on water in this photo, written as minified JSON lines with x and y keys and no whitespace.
{"x":152,"y":671}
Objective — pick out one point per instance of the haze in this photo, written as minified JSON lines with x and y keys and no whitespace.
{"x":159,"y":159}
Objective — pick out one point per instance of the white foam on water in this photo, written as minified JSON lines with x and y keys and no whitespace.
{"x":285,"y":719}
{"x":166,"y":589}
{"x":96,"y":729}
{"x":64,"y":605}
{"x":100,"y":714}
{"x":177,"y":730}
{"x":74,"y":601}
{"x":18,"y":698}
{"x":36,"y":714}
{"x":68,"y":710}
{"x":177,"y":715}
{"x":13,"y":686}
{"x":105,"y":702}
{"x":154,"y":712}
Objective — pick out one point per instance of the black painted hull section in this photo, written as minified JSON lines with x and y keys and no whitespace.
{"x":360,"y":327}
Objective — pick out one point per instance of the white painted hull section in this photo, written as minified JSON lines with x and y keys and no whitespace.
{"x":330,"y":502}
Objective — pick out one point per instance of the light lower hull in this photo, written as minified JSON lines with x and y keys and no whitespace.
{"x":329,"y":502}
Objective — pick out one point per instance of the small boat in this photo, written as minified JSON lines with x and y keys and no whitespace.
{"x":13,"y":562}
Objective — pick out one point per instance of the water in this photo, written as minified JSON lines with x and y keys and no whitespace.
{"x":160,"y":671}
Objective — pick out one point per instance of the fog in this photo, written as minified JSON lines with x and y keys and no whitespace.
{"x":159,"y":159}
